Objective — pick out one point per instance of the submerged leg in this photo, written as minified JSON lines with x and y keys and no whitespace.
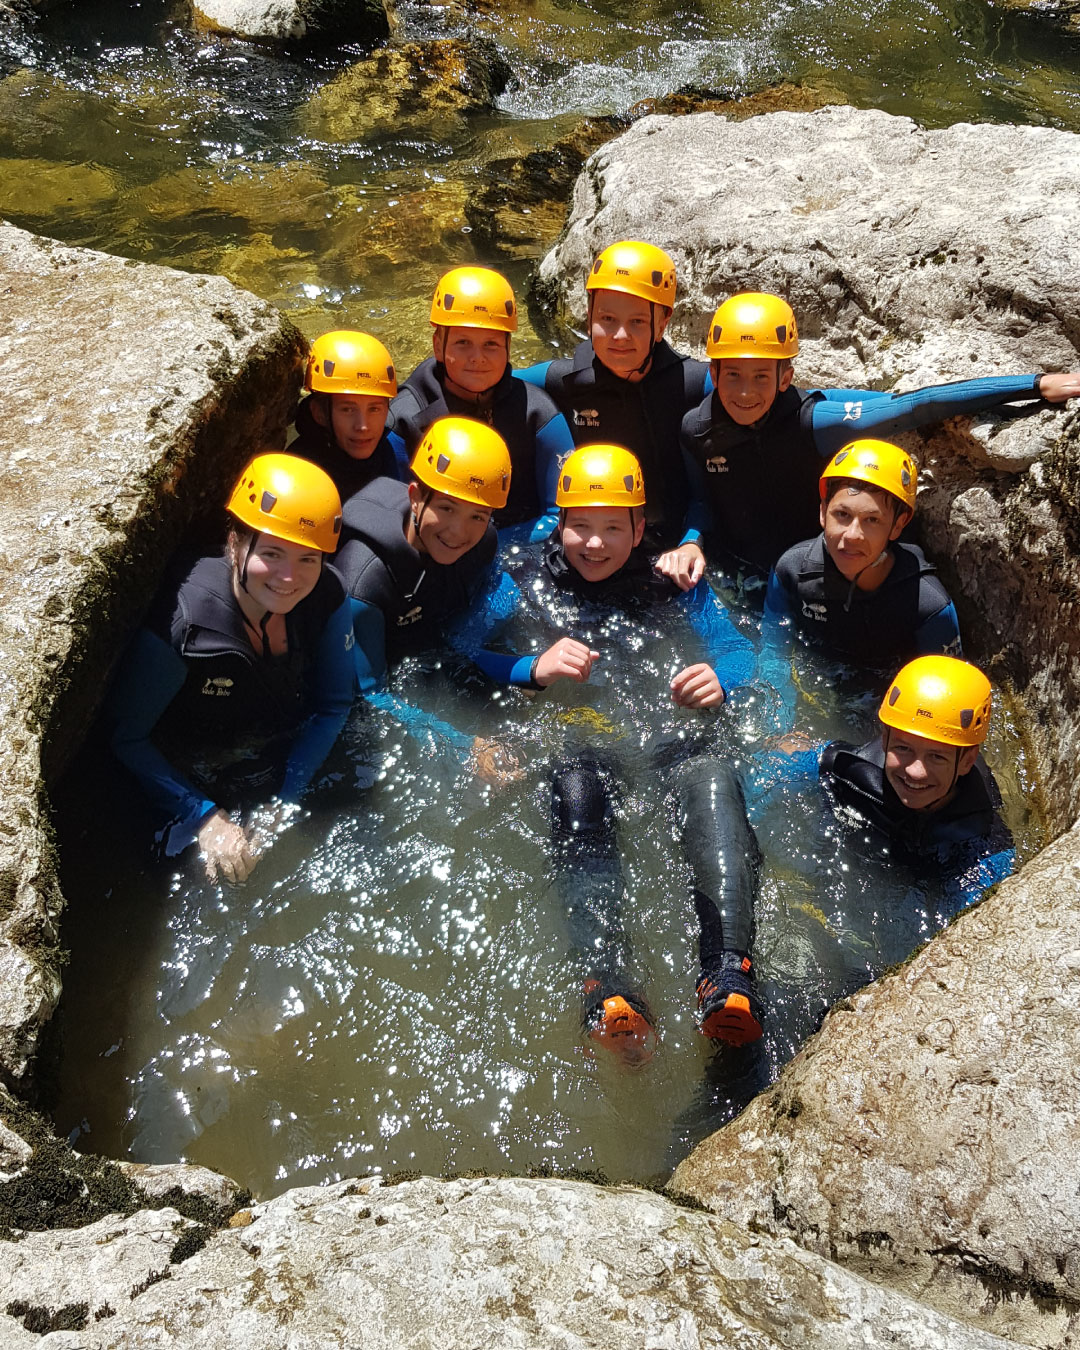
{"x":724,"y":857}
{"x":591,"y":889}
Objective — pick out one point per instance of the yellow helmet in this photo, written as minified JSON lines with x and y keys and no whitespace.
{"x":753,"y":324}
{"x":878,"y":463}
{"x":474,"y":297}
{"x":288,"y":498}
{"x":466,"y":460}
{"x":600,"y":475}
{"x":638,"y":269}
{"x":939,"y":697}
{"x":345,"y":362}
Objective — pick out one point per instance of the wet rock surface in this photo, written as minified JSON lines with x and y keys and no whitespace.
{"x":406,"y":89}
{"x":928,"y":1133}
{"x":1062,"y":13}
{"x":131,"y":397}
{"x":437,"y":1263}
{"x":283,"y":21}
{"x":911,"y":257}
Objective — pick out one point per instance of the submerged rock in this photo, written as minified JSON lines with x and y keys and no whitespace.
{"x":407,"y":90}
{"x":453,"y":1263}
{"x":131,"y":397}
{"x":279,"y":21}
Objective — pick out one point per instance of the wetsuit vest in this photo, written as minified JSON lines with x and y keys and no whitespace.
{"x":317,"y":444}
{"x":875,"y":628}
{"x":635,"y":585}
{"x":965,"y":827}
{"x":417,"y":597}
{"x":643,"y":416}
{"x":761,"y":482}
{"x":517,"y":411}
{"x":229,"y":687}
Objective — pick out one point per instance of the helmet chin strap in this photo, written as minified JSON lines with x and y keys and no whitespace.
{"x":855,"y":579}
{"x":253,"y":539}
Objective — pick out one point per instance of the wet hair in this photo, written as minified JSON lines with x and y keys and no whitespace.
{"x":883,"y":497}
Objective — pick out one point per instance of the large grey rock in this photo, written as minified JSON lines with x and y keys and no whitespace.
{"x":131,"y":397}
{"x":280,"y":21}
{"x":929,"y":1133}
{"x":1064,"y":13}
{"x":911,"y":257}
{"x":450,"y":1263}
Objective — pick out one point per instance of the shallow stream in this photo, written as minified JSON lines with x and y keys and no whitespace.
{"x":393,"y":989}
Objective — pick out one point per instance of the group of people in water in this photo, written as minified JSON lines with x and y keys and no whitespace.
{"x":581,"y":499}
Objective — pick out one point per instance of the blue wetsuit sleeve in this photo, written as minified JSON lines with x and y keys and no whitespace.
{"x":369,"y":659}
{"x":772,"y":769}
{"x":855,"y":413}
{"x":332,"y":687}
{"x":698,"y":520}
{"x":553,"y":444}
{"x":401,"y":456}
{"x":534,"y":374}
{"x":150,"y":677}
{"x":774,"y":658}
{"x":729,"y":653}
{"x":940,"y":633}
{"x":488,"y":613}
{"x":967,"y":886}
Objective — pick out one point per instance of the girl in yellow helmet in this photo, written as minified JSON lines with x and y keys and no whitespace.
{"x":243,"y":674}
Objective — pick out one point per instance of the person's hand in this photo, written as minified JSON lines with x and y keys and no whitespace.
{"x":493,"y":763}
{"x":566,"y":659}
{"x":685,"y":566}
{"x":1059,"y":388}
{"x":224,"y":846}
{"x":791,"y":744}
{"x":697,"y":687}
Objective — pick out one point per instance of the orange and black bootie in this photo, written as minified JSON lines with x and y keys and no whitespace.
{"x":729,"y":1008}
{"x":619,"y":1022}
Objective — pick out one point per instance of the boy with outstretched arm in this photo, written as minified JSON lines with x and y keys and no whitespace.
{"x":754,"y":448}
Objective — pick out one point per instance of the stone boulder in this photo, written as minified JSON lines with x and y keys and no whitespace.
{"x":928,"y":1134}
{"x":283,"y":21}
{"x":132,"y":395}
{"x":1063,"y":13}
{"x":432,"y":1263}
{"x":407,"y":89}
{"x":910,"y":257}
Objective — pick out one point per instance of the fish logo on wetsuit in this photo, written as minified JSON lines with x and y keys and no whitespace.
{"x":218,"y":686}
{"x":586,"y":417}
{"x":718,"y":464}
{"x":815,"y":611}
{"x":410,"y":616}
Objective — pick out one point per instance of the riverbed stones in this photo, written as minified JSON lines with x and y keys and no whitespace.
{"x":428,"y":1263}
{"x":911,"y":257}
{"x":131,"y":397}
{"x":1062,"y":13}
{"x":284,"y":21}
{"x":407,"y":90}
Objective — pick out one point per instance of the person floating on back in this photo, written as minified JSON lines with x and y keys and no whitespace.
{"x":341,"y":425}
{"x":625,"y":385}
{"x":755,"y":447}
{"x":593,"y":578}
{"x":473,"y":314}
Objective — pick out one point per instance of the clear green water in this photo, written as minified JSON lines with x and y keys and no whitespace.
{"x":393,"y":989}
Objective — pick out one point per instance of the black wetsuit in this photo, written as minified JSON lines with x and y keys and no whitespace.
{"x":317,"y":444}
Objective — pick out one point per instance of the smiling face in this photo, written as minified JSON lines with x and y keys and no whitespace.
{"x":859,"y":525}
{"x":748,"y":388}
{"x":278,"y":574}
{"x":621,"y":328}
{"x":357,"y":421}
{"x":475,"y":358}
{"x":923,"y":772}
{"x":598,"y":540}
{"x":443,"y":527}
